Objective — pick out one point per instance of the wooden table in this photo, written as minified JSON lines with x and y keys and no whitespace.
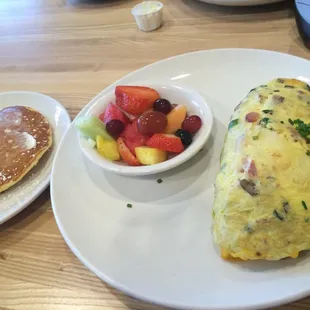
{"x":71,"y":50}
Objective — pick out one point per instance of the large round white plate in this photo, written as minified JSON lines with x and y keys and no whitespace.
{"x":33,"y":184}
{"x":241,"y":2}
{"x":161,"y":249}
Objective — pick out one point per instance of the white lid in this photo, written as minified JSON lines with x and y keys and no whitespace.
{"x":146,"y":7}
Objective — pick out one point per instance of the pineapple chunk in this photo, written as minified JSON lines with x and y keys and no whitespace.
{"x":107,"y":148}
{"x":150,"y":156}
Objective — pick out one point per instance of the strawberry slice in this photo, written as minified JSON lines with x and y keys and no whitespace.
{"x":166,"y":142}
{"x":125,"y":153}
{"x":113,"y":112}
{"x":132,"y":137}
{"x":135,"y":99}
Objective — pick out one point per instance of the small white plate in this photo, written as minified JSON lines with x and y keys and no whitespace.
{"x":195,"y":104}
{"x":241,"y":2}
{"x":161,"y":250}
{"x":35,"y":182}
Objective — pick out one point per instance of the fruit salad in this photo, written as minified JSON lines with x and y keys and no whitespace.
{"x":140,"y":128}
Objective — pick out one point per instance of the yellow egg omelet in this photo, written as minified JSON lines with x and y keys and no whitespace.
{"x":262,"y":192}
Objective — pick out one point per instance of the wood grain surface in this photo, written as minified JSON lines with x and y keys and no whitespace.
{"x":71,"y":50}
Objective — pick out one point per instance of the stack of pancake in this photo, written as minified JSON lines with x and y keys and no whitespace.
{"x":25,"y":136}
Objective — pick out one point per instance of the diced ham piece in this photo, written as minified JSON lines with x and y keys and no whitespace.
{"x":252,"y":172}
{"x":252,"y":117}
{"x":249,"y":167}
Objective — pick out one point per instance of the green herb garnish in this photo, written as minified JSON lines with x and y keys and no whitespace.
{"x":307,"y":87}
{"x":159,"y":181}
{"x":264,"y":122}
{"x":276,"y":91}
{"x":233,"y":123}
{"x":268,"y":111}
{"x":307,"y":219}
{"x":289,"y":86}
{"x":280,"y":81}
{"x":255,"y":137}
{"x":302,"y":128}
{"x":304,"y":205}
{"x":290,"y":121}
{"x":129,"y":205}
{"x":278,"y":215}
{"x":282,"y":122}
{"x":308,"y":153}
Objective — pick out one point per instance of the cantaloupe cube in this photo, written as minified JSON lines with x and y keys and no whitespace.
{"x":175,"y":119}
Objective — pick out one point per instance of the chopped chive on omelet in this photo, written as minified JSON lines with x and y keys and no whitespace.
{"x":264,"y":122}
{"x":268,"y":112}
{"x":302,"y":128}
{"x":278,"y":215}
{"x":304,"y":205}
{"x":233,"y":123}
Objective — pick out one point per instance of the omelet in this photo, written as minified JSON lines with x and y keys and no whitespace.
{"x":262,"y":191}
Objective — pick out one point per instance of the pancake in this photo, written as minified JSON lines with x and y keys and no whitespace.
{"x":262,"y":192}
{"x":25,"y":136}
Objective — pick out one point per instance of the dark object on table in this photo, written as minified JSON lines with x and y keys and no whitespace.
{"x":302,"y":14}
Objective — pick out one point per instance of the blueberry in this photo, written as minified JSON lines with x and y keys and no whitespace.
{"x":185,"y":136}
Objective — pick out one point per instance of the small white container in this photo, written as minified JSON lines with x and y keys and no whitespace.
{"x":148,"y":15}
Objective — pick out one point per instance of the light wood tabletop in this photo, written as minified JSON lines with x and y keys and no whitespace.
{"x":71,"y":50}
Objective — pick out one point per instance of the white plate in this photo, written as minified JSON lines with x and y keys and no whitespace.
{"x":241,"y":2}
{"x":35,"y":182}
{"x":161,"y":249}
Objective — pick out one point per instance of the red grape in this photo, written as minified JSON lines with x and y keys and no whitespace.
{"x":162,"y":105}
{"x":152,"y":122}
{"x":192,"y":124}
{"x":115,"y":127}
